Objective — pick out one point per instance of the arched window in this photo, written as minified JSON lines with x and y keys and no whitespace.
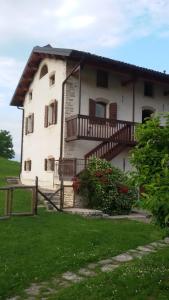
{"x":43,"y":71}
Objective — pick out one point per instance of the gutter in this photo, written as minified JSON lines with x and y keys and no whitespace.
{"x":21,"y":157}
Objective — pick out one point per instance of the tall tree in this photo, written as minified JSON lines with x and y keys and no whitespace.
{"x":6,"y":145}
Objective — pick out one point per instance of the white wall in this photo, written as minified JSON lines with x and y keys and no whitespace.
{"x":43,"y":142}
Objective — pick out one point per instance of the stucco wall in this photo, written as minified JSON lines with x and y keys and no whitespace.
{"x":43,"y":142}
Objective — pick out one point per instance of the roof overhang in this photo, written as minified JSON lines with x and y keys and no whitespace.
{"x":39,"y":53}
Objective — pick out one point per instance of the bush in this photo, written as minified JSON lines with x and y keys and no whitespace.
{"x":151,"y":160}
{"x":106,"y":187}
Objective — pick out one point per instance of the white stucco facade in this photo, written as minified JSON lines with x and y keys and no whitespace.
{"x":45,"y":142}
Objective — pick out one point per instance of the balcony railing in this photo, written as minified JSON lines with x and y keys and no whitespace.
{"x":100,"y":129}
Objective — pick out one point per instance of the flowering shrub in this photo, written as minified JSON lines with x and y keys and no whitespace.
{"x":106,"y":187}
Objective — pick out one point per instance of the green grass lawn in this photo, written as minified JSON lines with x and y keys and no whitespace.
{"x":145,"y":279}
{"x":8,"y":168}
{"x":22,"y":200}
{"x":34,"y":249}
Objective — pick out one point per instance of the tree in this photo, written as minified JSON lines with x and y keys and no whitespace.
{"x":6,"y":145}
{"x":151,"y":160}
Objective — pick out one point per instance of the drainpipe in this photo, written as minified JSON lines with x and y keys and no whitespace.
{"x":21,"y":157}
{"x":62,"y":124}
{"x":134,"y":94}
{"x":80,"y":87}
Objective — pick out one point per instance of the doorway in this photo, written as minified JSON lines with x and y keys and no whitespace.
{"x":146,"y":113}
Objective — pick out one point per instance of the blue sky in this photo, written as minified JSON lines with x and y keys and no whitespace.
{"x":132,"y":31}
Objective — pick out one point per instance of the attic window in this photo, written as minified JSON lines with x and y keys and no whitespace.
{"x":102,"y":79}
{"x":52,"y":79}
{"x":148,"y":89}
{"x":44,"y":71}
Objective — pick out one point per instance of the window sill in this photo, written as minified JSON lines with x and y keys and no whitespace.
{"x":102,"y":87}
{"x":51,"y":125}
{"x":149,"y":96}
{"x":51,"y":86}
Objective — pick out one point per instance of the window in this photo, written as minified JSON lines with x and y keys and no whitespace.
{"x":100,"y":110}
{"x":29,"y":124}
{"x":49,"y":164}
{"x":50,"y":114}
{"x":148,"y":89}
{"x":97,"y":109}
{"x":30,"y":95}
{"x":102,"y":79}
{"x":43,"y":71}
{"x":27,"y":165}
{"x":52,"y":80}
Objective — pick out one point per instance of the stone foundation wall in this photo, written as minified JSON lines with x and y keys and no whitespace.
{"x":68,"y":197}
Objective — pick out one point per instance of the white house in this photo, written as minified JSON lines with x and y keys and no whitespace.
{"x":75,"y":105}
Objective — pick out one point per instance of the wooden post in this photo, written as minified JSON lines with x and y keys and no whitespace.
{"x":33,"y":203}
{"x":10,"y":201}
{"x":36,"y":195}
{"x":7,"y":200}
{"x":75,"y":167}
{"x":62,"y":193}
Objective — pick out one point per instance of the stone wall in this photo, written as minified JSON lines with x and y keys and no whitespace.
{"x":71,"y":105}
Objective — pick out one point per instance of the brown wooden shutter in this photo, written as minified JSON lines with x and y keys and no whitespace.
{"x":92,"y":108}
{"x":113,"y":111}
{"x":26,"y":125}
{"x":45,"y":164}
{"x":46,"y":117}
{"x":30,"y":165}
{"x":55,"y":112}
{"x":32,"y":122}
{"x":25,"y":165}
{"x":52,"y":164}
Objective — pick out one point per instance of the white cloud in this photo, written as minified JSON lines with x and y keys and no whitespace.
{"x":82,"y":22}
{"x":10,"y":70}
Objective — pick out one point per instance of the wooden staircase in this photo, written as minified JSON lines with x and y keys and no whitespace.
{"x":114,"y":145}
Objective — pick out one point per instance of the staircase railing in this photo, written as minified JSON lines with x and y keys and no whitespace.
{"x":115,"y":144}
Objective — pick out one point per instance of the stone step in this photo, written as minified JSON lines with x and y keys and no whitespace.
{"x":86,"y":212}
{"x":12,"y":180}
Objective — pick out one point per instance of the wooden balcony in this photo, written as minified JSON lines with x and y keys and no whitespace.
{"x":100,"y":129}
